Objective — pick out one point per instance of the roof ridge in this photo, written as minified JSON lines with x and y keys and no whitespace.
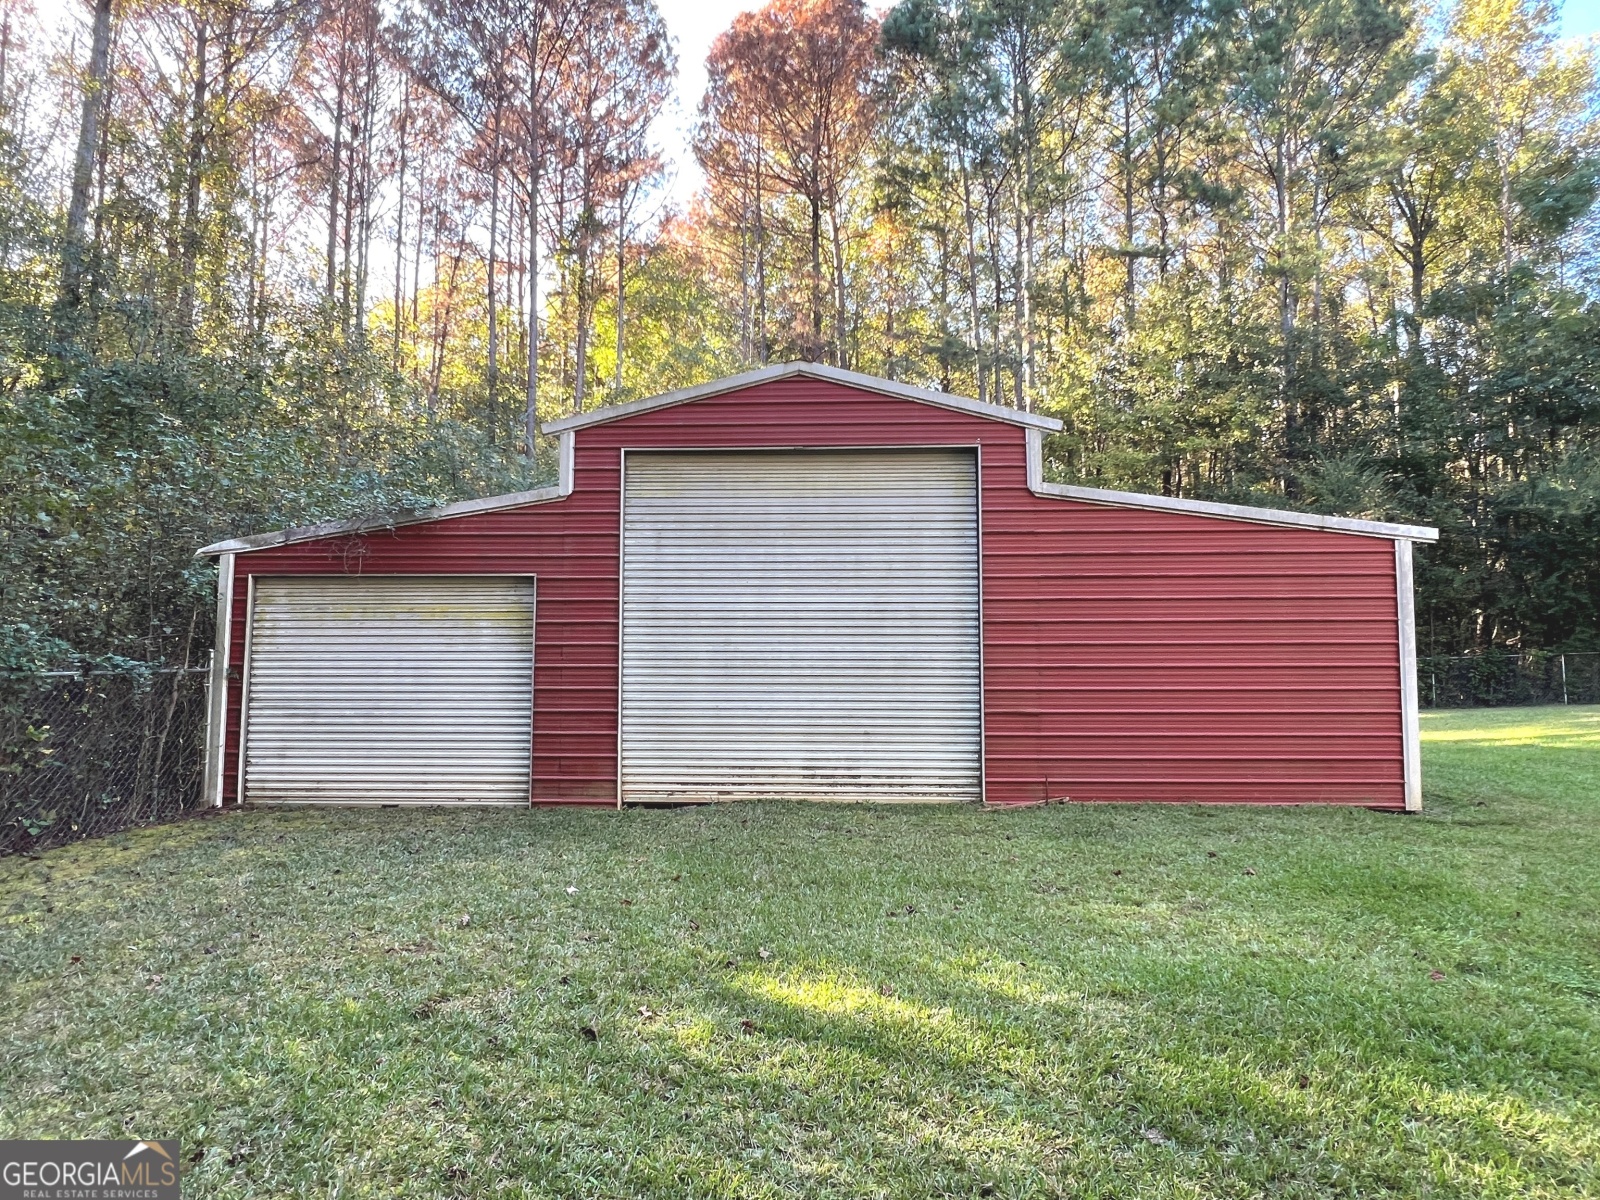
{"x":777,"y":371}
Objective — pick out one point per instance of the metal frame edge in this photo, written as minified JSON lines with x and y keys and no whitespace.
{"x":983,"y":637}
{"x":244,"y":682}
{"x":565,"y":460}
{"x":217,"y":683}
{"x":1410,"y":718}
{"x":1211,"y":508}
{"x":622,"y":550}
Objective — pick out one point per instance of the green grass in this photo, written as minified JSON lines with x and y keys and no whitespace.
{"x":770,"y":1000}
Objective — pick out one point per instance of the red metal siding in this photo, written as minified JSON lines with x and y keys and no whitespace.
{"x":1155,"y":656}
{"x":1129,"y":655}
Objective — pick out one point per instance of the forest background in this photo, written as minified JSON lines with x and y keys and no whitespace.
{"x":270,"y":262}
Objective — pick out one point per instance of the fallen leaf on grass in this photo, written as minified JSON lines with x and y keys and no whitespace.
{"x":747,"y":1026}
{"x":1249,"y":870}
{"x":464,"y":920}
{"x":1436,"y":975}
{"x":764,"y":954}
{"x":694,"y":926}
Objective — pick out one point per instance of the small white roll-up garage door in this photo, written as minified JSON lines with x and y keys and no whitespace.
{"x":400,"y":690}
{"x":800,"y":624}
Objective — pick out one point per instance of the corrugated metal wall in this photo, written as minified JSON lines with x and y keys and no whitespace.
{"x":1152,"y":656}
{"x":389,"y":690}
{"x":1128,"y":654}
{"x":801,"y":625}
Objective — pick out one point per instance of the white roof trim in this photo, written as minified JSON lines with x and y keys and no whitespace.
{"x":462,"y":508}
{"x":1208,"y":508}
{"x":868,"y":383}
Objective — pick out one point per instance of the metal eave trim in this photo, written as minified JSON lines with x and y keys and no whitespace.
{"x":217,"y":699}
{"x":1410,"y":719}
{"x":1209,"y":508}
{"x":461,"y":508}
{"x":869,"y":383}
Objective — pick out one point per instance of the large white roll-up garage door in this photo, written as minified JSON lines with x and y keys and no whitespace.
{"x":401,"y":690}
{"x":800,"y":624}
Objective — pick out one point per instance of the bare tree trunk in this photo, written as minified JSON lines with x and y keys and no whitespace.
{"x":841,"y":353}
{"x":95,"y":94}
{"x":178,"y":678}
{"x":494,"y":306}
{"x":531,"y":413}
{"x":973,"y":306}
{"x":815,"y":352}
{"x":416,"y":270}
{"x":763,"y":350}
{"x":369,"y":116}
{"x":622,"y":264}
{"x":333,"y":175}
{"x":581,"y":305}
{"x":1281,"y":201}
{"x":266,"y":231}
{"x":1131,"y":278}
{"x":400,"y":221}
{"x":194,"y":168}
{"x":347,"y":241}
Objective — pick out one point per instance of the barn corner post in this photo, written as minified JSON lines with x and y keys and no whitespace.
{"x":1410,"y":719}
{"x":217,"y":686}
{"x":622,"y":542}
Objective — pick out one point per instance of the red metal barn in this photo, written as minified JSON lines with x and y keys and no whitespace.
{"x":807,"y":583}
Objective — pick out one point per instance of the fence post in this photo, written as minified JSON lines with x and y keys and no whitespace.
{"x":1564,"y":699}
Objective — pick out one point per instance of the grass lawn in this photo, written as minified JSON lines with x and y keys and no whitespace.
{"x":767,"y":1000}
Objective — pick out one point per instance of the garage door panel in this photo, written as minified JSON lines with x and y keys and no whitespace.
{"x":801,"y":624}
{"x":390,"y":690}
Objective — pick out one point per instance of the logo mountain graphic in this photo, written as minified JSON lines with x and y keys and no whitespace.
{"x":139,"y":1146}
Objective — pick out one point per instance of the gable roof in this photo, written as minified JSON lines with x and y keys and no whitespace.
{"x":1035,"y":426}
{"x":865,"y":383}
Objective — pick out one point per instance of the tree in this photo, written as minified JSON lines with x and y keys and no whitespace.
{"x":614,"y":80}
{"x":800,"y":71}
{"x":96,"y":82}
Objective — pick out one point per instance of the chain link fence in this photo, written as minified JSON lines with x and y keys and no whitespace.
{"x":88,"y":754}
{"x":1495,"y":679}
{"x":85,"y":754}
